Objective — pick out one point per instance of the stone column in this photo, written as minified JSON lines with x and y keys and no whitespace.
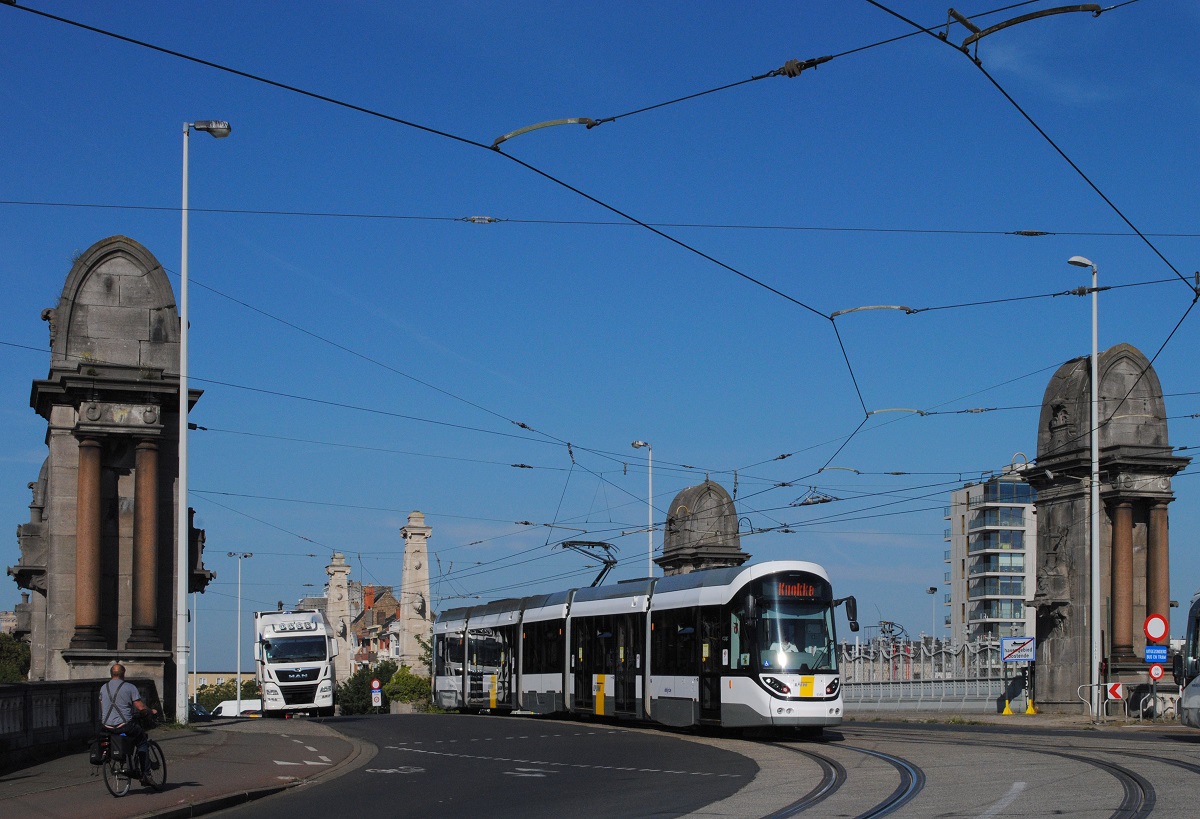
{"x":1158,"y":569}
{"x":88,"y":631}
{"x":145,"y":548}
{"x":1122,"y":581}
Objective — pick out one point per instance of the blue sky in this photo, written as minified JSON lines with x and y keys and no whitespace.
{"x":895,"y":173}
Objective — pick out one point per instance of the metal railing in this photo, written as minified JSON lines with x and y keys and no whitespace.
{"x":924,"y":674}
{"x":48,"y":718}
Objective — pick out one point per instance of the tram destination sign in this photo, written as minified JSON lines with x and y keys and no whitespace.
{"x":1018,"y":649}
{"x":1156,"y":654}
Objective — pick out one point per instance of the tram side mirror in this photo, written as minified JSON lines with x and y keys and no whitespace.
{"x":1177,"y":668}
{"x":852,"y":612}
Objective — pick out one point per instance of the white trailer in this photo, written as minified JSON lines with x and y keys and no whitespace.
{"x":293,"y":662}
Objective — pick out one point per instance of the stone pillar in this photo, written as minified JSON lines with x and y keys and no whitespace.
{"x":88,"y":631}
{"x":416,"y":616}
{"x":145,"y":548}
{"x":339,"y":613}
{"x":1158,"y":569}
{"x":1122,"y":581}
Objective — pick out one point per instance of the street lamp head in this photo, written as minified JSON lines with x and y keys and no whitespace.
{"x":931,"y":590}
{"x":1079,"y":261}
{"x":640,"y":444}
{"x":218,"y":128}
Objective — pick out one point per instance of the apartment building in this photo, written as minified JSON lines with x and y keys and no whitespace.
{"x":992,"y":558}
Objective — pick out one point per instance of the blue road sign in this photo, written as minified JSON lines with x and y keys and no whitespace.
{"x":1156,"y":654}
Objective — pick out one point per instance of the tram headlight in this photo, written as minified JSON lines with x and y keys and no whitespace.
{"x":833,"y":687}
{"x":776,"y":685}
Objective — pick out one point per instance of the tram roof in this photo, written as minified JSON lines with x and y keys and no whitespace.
{"x":628,"y":588}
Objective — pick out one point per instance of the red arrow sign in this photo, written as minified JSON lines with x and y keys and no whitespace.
{"x":1116,"y":691}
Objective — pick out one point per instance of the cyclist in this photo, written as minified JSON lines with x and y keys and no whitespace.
{"x":120,"y":703}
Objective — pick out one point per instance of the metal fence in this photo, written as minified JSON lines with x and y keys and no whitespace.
{"x":887,"y":673}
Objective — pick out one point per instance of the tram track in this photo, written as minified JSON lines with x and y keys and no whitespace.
{"x":1139,"y":796}
{"x":912,"y":782}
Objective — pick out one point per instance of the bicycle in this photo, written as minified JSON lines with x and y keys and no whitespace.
{"x":147,"y":763}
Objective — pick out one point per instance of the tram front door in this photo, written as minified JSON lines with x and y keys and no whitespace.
{"x":711,"y":647}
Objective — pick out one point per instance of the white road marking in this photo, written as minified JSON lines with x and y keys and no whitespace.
{"x":559,"y":764}
{"x":310,"y":762}
{"x":281,"y":762}
{"x":310,"y":748}
{"x":324,"y":759}
{"x":1009,"y":798}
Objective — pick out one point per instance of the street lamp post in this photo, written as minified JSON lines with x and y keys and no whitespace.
{"x":932,"y":592}
{"x":649,"y":505}
{"x":240,"y":556}
{"x":217,"y":129}
{"x":1094,"y":486}
{"x":195,"y":617}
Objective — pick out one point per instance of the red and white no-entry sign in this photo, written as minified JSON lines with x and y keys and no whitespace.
{"x":1116,"y":691}
{"x":1156,"y":672}
{"x":1155,"y":627}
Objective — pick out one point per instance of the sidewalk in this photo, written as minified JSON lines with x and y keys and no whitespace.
{"x":209,"y":767}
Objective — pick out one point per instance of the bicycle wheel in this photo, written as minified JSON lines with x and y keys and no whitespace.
{"x":116,"y":777}
{"x":156,"y":776}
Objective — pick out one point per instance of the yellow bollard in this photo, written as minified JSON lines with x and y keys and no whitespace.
{"x":1029,"y":709}
{"x":1007,"y":711}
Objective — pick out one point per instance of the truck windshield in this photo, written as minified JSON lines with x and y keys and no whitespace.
{"x":294,"y":649}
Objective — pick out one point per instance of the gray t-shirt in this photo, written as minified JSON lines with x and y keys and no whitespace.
{"x":118,"y":696}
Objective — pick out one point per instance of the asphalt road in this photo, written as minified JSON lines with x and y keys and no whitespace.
{"x":451,"y":765}
{"x":455,"y":766}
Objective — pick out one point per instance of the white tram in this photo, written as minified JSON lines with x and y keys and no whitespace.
{"x":1186,"y":667}
{"x":748,"y":646}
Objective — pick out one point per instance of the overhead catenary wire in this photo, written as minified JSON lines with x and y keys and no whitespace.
{"x":1045,"y":136}
{"x":606,"y":223}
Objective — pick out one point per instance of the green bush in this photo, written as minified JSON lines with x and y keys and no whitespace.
{"x":354,"y":695}
{"x":405,"y":686}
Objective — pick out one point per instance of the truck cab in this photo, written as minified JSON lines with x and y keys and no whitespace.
{"x":293,"y":659}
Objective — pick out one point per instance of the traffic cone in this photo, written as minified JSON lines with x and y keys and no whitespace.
{"x":1029,"y":709}
{"x":1007,"y":711}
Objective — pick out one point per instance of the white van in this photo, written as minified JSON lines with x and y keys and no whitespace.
{"x":228,"y":708}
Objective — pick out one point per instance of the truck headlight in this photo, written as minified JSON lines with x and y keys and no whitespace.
{"x":325,"y":687}
{"x":271,"y":693}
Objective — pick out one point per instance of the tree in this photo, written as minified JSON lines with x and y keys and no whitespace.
{"x":354,"y":695}
{"x":14,"y":659}
{"x":210,"y":696}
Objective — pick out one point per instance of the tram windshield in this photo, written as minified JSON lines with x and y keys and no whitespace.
{"x":797,"y":636}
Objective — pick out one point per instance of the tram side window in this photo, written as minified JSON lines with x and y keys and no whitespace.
{"x":543,"y":647}
{"x":674,"y":643}
{"x":735,"y":642}
{"x":449,"y":654}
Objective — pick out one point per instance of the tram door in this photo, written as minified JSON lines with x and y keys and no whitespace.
{"x":711,"y":646}
{"x":581,"y":659}
{"x":630,"y":643}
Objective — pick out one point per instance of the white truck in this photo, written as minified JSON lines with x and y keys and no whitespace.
{"x":293,"y":662}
